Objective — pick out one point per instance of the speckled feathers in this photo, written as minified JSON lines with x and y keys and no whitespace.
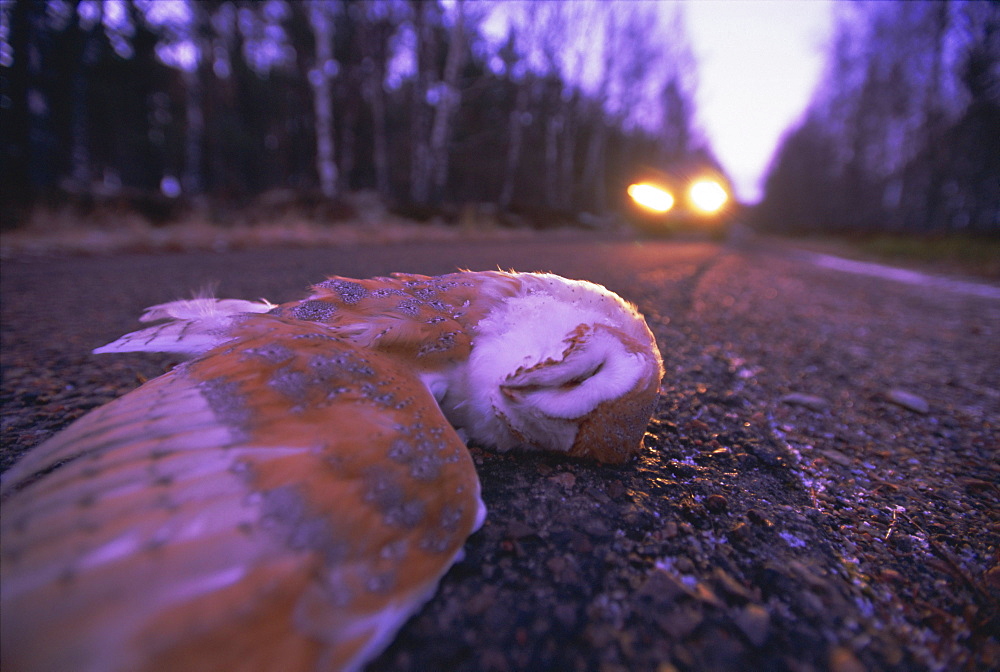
{"x":290,"y":495}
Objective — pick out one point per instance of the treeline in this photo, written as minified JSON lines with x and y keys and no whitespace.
{"x":227,"y":101}
{"x":904,"y":134}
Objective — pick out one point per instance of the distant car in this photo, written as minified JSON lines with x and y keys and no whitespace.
{"x":694,"y":198}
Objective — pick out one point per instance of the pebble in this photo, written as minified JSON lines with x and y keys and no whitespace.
{"x":908,"y":400}
{"x":836,"y":456}
{"x":843,"y":660}
{"x":758,"y":518}
{"x":810,"y":401}
{"x":663,"y":586}
{"x":564,"y":479}
{"x":754,"y":622}
{"x":716,"y":504}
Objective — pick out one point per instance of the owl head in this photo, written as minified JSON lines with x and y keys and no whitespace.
{"x":562,"y":365}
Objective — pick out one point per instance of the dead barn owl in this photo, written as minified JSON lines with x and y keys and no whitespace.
{"x":292,"y":494}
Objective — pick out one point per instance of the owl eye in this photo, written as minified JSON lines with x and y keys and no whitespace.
{"x":576,"y":381}
{"x":518,"y":392}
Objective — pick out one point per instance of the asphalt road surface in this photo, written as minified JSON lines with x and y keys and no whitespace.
{"x":820,"y":488}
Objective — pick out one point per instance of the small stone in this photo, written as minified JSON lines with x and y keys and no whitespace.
{"x":740,"y":533}
{"x":810,"y":401}
{"x":663,"y":586}
{"x":705,"y":593}
{"x":908,"y":400}
{"x":519,"y":530}
{"x":754,"y":622}
{"x":842,"y":660}
{"x":729,"y":585}
{"x":758,"y":518}
{"x":975,"y":485}
{"x":565,"y":479}
{"x":891,"y":576}
{"x":679,"y":622}
{"x":716,"y":504}
{"x":836,"y":457}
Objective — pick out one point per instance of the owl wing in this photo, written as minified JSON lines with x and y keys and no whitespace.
{"x":427,"y":319}
{"x":193,"y":327}
{"x":285,"y":501}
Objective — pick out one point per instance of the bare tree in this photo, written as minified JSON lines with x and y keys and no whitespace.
{"x":192,"y":181}
{"x":896,"y":133}
{"x":593,"y":167}
{"x":378,"y":26}
{"x":420,"y":158}
{"x":87,"y":40}
{"x":292,"y":94}
{"x":677,"y":95}
{"x":320,"y":12}
{"x":515,"y":124}
{"x":550,"y":28}
{"x":448,"y":99}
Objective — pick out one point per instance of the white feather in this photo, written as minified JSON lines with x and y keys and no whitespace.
{"x":195,"y":327}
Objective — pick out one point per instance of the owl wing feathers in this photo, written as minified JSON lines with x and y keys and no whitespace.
{"x":420,"y":316}
{"x":284,"y":501}
{"x":287,"y":498}
{"x":195,"y":326}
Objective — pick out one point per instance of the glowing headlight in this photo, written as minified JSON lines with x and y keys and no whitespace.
{"x":708,"y":195}
{"x":650,"y":196}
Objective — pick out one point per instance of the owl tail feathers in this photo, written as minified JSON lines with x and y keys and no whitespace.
{"x":195,"y":326}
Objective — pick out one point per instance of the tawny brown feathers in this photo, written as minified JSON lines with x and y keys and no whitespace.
{"x":289,"y":496}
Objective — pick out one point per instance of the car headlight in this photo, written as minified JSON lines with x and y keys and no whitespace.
{"x":708,"y":195}
{"x":651,"y":196}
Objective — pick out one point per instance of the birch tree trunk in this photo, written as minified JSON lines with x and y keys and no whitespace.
{"x":348,"y":143}
{"x":549,"y":28}
{"x":80,"y":149}
{"x":319,"y":77}
{"x":420,"y":153}
{"x":448,"y":101}
{"x":593,"y":168}
{"x":373,"y":74}
{"x":194,"y":131}
{"x":377,"y":29}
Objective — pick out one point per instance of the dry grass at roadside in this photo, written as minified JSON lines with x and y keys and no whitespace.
{"x":59,"y":232}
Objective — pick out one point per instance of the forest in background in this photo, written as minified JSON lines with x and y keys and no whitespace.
{"x":233,"y":107}
{"x":161,"y":105}
{"x":903,"y":135}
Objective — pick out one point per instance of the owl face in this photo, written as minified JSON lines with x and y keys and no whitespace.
{"x":564,"y":366}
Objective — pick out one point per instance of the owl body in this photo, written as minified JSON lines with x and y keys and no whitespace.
{"x":290,"y":495}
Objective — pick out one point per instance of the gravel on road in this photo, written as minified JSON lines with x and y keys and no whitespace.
{"x":819,"y":489}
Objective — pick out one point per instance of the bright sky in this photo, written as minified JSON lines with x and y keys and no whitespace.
{"x":758,"y":64}
{"x":758,"y":61}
